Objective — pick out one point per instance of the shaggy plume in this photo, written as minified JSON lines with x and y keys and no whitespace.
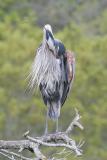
{"x":45,"y":68}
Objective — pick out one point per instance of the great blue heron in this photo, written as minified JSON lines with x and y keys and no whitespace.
{"x":53,"y":71}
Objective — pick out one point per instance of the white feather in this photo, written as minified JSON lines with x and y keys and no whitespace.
{"x":45,"y":68}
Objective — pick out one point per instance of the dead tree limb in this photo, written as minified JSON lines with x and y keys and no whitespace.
{"x":60,"y":139}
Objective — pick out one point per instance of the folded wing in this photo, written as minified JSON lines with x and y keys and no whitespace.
{"x":69,"y":72}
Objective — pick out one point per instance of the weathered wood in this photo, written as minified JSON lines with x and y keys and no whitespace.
{"x":15,"y":144}
{"x":60,"y":139}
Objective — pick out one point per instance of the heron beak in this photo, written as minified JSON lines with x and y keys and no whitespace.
{"x":49,"y":37}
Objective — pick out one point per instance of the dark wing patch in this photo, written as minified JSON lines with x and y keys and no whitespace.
{"x":69,"y":71}
{"x":48,"y":94}
{"x":60,"y":46}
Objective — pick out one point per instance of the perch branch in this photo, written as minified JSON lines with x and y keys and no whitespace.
{"x":60,"y":139}
{"x":69,"y":143}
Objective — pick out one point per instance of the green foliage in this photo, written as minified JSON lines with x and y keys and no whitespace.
{"x":19,"y":38}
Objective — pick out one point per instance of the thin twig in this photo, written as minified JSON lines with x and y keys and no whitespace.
{"x":75,"y":122}
{"x":15,"y":154}
{"x":5,"y":155}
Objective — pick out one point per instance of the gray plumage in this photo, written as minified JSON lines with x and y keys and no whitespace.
{"x":50,"y":72}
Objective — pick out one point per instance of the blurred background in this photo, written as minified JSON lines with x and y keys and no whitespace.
{"x":82,"y":26}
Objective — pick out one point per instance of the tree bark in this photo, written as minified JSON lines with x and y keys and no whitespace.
{"x":60,"y":139}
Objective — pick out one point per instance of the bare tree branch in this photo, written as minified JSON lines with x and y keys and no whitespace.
{"x":75,"y":122}
{"x":15,"y":144}
{"x":14,"y":154}
{"x":5,"y":155}
{"x":60,"y":139}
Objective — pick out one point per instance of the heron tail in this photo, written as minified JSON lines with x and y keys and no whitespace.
{"x":54,"y":110}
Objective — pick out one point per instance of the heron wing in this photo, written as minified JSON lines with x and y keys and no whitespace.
{"x":69,"y":72}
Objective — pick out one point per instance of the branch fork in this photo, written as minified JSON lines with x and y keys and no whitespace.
{"x":60,"y":139}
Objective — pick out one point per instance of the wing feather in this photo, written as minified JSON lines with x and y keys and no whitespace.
{"x":69,"y":71}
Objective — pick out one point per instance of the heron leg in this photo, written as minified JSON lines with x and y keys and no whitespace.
{"x":46,"y":124}
{"x":57,"y":125}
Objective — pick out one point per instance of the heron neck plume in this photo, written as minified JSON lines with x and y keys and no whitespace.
{"x":45,"y":69}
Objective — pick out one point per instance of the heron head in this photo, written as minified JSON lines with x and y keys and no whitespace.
{"x":55,"y":46}
{"x":49,"y":37}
